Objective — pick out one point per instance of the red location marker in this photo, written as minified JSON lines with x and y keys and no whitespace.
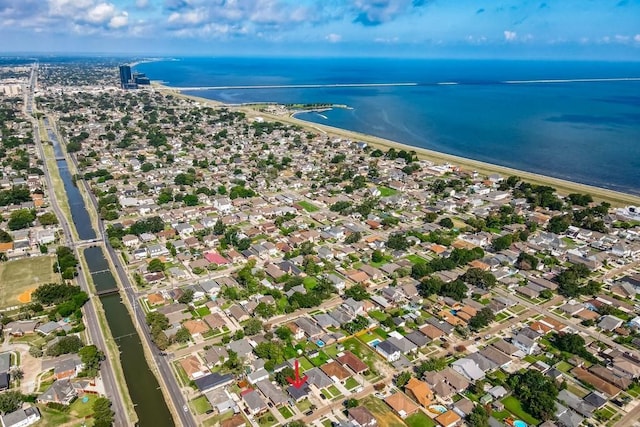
{"x":297,"y":382}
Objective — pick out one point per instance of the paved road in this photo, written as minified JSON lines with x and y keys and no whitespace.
{"x":574,"y":324}
{"x":89,"y":310}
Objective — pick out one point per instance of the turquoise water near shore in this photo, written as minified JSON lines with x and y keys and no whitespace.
{"x":584,"y":131}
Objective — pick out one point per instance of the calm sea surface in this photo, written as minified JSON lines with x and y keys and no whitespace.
{"x":587,"y":132}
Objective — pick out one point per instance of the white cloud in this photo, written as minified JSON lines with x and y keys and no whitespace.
{"x":510,"y":35}
{"x":119,"y":21}
{"x":636,"y":38}
{"x":333,"y":38}
{"x":141,"y":4}
{"x":101,"y":12}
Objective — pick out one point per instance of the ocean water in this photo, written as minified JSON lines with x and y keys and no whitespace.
{"x":584,"y":131}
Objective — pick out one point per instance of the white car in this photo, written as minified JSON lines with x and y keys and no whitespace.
{"x":185,"y":408}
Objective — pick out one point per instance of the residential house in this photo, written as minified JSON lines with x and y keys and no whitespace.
{"x":335,"y":371}
{"x":193,"y":368}
{"x":389,"y":351}
{"x":67,"y":367}
{"x":254,"y":402}
{"x":448,"y":419}
{"x":59,"y":392}
{"x":221,"y":400}
{"x":21,"y":417}
{"x":362,"y":417}
{"x":273,"y":393}
{"x":401,"y":404}
{"x":468,"y":368}
{"x":213,"y":381}
{"x":353,"y":362}
{"x":215,"y":356}
{"x":258,"y":375}
{"x":420,"y":392}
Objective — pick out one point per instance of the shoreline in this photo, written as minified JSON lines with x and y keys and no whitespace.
{"x":562,"y":186}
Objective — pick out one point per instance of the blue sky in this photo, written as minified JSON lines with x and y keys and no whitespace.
{"x":414,"y":28}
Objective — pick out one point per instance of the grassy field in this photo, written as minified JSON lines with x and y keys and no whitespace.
{"x":419,"y":419}
{"x":513,"y":405}
{"x":384,"y":414}
{"x":307,"y":206}
{"x":200,"y":405}
{"x":80,"y":409}
{"x":23,"y":275}
{"x":386,"y":191}
{"x":285,"y":412}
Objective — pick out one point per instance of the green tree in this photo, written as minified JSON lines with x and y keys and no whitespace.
{"x":182,"y":335}
{"x":536,"y":392}
{"x":155,"y":265}
{"x":91,"y":356}
{"x":351,"y":403}
{"x":102,"y":413}
{"x":48,"y":218}
{"x":446,"y":222}
{"x":403,"y":378}
{"x":397,"y":241}
{"x":11,"y":401}
{"x":358,"y":292}
{"x":284,"y":333}
{"x":65,"y":345}
{"x":377,"y":256}
{"x":186,"y":297}
{"x":478,"y":417}
{"x":5,"y":237}
{"x":252,"y":327}
{"x":22,"y":218}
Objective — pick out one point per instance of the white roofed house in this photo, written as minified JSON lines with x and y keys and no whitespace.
{"x":468,"y":368}
{"x":389,"y":351}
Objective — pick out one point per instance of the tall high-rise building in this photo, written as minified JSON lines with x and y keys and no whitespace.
{"x":125,"y":76}
{"x":127,"y":79}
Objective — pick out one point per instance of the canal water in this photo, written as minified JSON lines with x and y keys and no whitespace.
{"x":79,"y":213}
{"x":143,"y":386}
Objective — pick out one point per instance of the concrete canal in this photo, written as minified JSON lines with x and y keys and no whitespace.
{"x":143,"y":386}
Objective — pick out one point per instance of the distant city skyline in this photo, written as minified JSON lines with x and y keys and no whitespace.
{"x":560,"y":29}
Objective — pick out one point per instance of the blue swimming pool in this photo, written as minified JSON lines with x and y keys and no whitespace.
{"x":374,"y":343}
{"x":320,"y":343}
{"x":519,"y":423}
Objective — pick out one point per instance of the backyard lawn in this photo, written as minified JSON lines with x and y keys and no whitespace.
{"x":81,"y":409}
{"x":18,"y":278}
{"x":286,"y":412}
{"x":386,"y":191}
{"x":351,"y":383}
{"x":305,"y":365}
{"x":416,"y":259}
{"x":513,"y":405}
{"x":308,"y":206}
{"x":419,"y":419}
{"x":321,"y":359}
{"x":378,"y":315}
{"x":267,"y":420}
{"x":200,"y":405}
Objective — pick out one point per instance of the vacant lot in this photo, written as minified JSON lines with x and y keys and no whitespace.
{"x":24,"y":275}
{"x":384,"y":414}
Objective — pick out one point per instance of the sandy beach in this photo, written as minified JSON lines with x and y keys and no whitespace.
{"x":563,"y":187}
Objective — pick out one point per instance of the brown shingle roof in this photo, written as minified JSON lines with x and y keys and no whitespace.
{"x":401,"y":404}
{"x":334,"y":369}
